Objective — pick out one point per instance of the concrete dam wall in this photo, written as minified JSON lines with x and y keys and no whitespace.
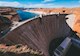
{"x":39,"y":32}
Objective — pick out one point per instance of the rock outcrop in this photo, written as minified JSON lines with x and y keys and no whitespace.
{"x":5,"y":24}
{"x":10,"y":13}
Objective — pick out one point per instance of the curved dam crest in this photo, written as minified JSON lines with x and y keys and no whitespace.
{"x":39,"y":32}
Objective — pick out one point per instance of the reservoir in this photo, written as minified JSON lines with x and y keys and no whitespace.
{"x":25,"y":15}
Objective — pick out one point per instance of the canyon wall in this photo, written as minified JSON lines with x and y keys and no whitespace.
{"x":10,"y":13}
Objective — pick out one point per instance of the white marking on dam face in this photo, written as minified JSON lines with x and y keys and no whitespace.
{"x":71,"y":20}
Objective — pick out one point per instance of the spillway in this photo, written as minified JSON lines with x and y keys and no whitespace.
{"x":39,"y":32}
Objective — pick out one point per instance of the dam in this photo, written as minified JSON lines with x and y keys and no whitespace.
{"x":37,"y":33}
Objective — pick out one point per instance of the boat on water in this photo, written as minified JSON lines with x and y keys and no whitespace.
{"x":42,"y":33}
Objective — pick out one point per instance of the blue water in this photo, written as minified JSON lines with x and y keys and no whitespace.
{"x":25,"y":15}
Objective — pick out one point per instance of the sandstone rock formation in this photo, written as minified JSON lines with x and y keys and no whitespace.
{"x":10,"y":13}
{"x":17,"y":50}
{"x":5,"y":24}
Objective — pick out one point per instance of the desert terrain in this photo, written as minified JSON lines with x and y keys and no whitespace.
{"x":23,"y":50}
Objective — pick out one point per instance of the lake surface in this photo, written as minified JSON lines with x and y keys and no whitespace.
{"x":25,"y":15}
